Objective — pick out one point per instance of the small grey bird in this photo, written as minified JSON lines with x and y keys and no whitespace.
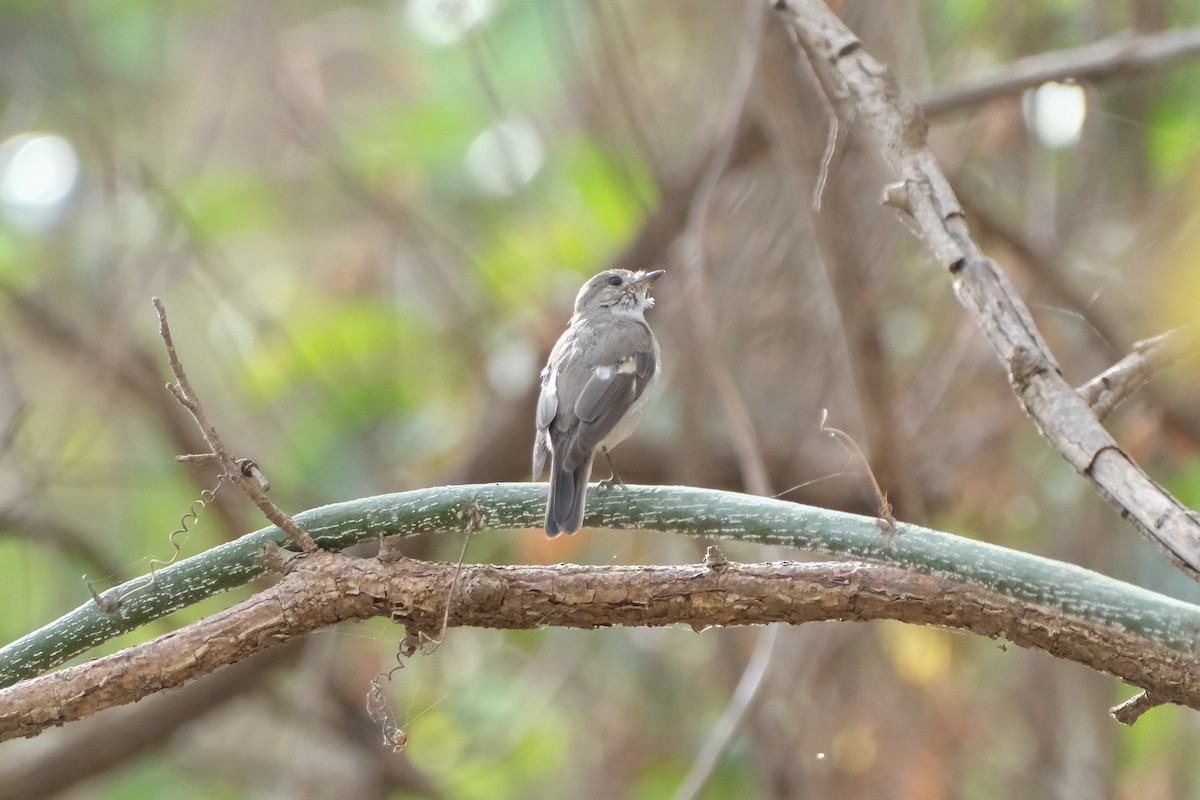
{"x":594,"y":388}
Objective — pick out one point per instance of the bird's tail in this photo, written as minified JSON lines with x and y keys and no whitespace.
{"x":568,"y":492}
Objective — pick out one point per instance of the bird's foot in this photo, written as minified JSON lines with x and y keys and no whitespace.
{"x":612,"y":482}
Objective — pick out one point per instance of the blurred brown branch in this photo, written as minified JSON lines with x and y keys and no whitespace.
{"x":1042,"y":265}
{"x":91,"y":749}
{"x":1125,"y":54}
{"x":924,"y":196}
{"x":324,"y":588}
{"x":701,"y":297}
{"x":130,"y":369}
{"x":72,"y":541}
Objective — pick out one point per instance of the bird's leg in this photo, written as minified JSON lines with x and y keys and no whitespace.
{"x":613,"y":481}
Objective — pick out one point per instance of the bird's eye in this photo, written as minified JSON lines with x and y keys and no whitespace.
{"x":615,"y":280}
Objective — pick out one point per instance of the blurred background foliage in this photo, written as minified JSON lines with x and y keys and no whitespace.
{"x":368,"y":222}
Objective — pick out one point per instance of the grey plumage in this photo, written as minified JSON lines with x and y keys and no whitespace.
{"x":594,"y":387}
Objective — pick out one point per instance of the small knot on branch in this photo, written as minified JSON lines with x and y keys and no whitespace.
{"x":715,"y":559}
{"x":1128,"y":712}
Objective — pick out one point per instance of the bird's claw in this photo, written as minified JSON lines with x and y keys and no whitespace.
{"x":613,"y":482}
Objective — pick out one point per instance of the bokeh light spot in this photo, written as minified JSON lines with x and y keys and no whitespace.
{"x":1055,"y":112}
{"x":505,"y":157}
{"x":38,"y":172}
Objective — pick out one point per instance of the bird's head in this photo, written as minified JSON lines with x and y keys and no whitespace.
{"x":618,"y":290}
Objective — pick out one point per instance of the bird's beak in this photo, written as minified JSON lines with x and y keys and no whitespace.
{"x":650,"y":277}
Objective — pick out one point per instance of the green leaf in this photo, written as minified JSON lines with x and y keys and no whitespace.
{"x":221,"y":203}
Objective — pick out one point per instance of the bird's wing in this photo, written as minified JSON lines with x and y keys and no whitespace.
{"x":547,"y":407}
{"x":614,"y":385}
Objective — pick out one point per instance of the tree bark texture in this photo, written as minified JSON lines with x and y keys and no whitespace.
{"x":325,"y":588}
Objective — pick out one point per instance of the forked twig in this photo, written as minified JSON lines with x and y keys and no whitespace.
{"x":243,"y":472}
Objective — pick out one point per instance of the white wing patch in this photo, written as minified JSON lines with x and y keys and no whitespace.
{"x":548,"y":400}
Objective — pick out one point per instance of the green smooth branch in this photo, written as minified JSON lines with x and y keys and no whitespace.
{"x":669,"y":509}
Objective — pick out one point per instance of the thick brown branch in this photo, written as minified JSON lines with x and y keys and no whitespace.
{"x":925,"y":197}
{"x":124,"y":365}
{"x":1124,"y":54}
{"x":325,"y":588}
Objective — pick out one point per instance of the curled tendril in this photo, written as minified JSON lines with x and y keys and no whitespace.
{"x":379,"y":708}
{"x":186,"y":522}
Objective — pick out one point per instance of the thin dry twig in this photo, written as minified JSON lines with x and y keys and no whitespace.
{"x":834,"y":140}
{"x":834,"y":137}
{"x":474,"y":520}
{"x":1112,"y":387}
{"x":240,"y":471}
{"x":887,"y":520}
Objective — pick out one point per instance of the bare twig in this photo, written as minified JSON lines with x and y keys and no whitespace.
{"x":833,"y":141}
{"x":473,"y":520}
{"x":237,"y":470}
{"x":198,"y":458}
{"x":834,"y":138}
{"x":984,"y":290}
{"x":1110,"y":388}
{"x":327,"y":587}
{"x":1125,"y":54}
